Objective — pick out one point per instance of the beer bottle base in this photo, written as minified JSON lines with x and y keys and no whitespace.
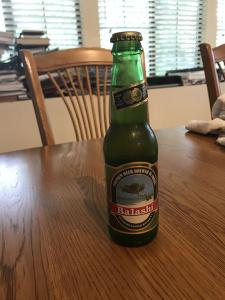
{"x":134,"y":240}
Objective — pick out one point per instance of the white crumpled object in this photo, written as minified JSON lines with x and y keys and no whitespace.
{"x":214,"y":126}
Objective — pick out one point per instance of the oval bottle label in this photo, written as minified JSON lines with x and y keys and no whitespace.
{"x":131,"y":96}
{"x":132,"y":197}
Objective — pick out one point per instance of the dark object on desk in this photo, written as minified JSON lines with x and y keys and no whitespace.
{"x":197,"y":69}
{"x":190,"y":76}
{"x":31,"y":33}
{"x":212,"y":57}
{"x":6,"y":42}
{"x":164,"y":81}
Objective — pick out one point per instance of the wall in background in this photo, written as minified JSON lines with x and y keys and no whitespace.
{"x":210,"y":22}
{"x":168,"y":107}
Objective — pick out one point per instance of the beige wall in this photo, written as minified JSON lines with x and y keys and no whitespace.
{"x":18,"y":129}
{"x":169,"y":107}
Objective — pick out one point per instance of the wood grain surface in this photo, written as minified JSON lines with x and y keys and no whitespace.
{"x":54,"y":242}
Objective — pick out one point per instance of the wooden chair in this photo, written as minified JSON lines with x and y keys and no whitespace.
{"x":81,"y":78}
{"x":212,"y":57}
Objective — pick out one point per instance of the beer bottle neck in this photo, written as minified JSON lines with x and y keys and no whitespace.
{"x":127,"y":70}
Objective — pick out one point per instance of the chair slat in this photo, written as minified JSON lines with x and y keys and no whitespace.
{"x":68,"y":90}
{"x":80,"y":113}
{"x":87,"y":119}
{"x":65,"y":102}
{"x":95,"y":129}
{"x":78,"y":128}
{"x":99,"y":100}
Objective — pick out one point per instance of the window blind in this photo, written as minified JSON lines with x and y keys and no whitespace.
{"x":220,"y":33}
{"x":59,"y":19}
{"x":172,"y":30}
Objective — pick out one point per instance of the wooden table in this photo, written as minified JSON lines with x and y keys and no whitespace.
{"x":54,"y":240}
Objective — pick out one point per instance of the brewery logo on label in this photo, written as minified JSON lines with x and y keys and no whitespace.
{"x":133,"y":204}
{"x":132,"y":96}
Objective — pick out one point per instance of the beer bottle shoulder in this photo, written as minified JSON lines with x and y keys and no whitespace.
{"x":129,"y":143}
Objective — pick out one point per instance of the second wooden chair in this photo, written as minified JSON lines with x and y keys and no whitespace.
{"x":212,"y":57}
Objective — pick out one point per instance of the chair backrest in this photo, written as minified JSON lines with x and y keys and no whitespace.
{"x":210,"y":58}
{"x":81,"y":77}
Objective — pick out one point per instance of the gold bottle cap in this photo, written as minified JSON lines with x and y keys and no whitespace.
{"x":126,"y":36}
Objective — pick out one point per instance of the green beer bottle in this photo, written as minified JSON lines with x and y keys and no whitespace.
{"x":130,"y":148}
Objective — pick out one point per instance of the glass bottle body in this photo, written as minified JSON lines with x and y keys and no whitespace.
{"x":130,"y":152}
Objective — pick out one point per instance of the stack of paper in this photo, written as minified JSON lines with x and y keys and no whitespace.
{"x":32,"y":40}
{"x":11,"y":85}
